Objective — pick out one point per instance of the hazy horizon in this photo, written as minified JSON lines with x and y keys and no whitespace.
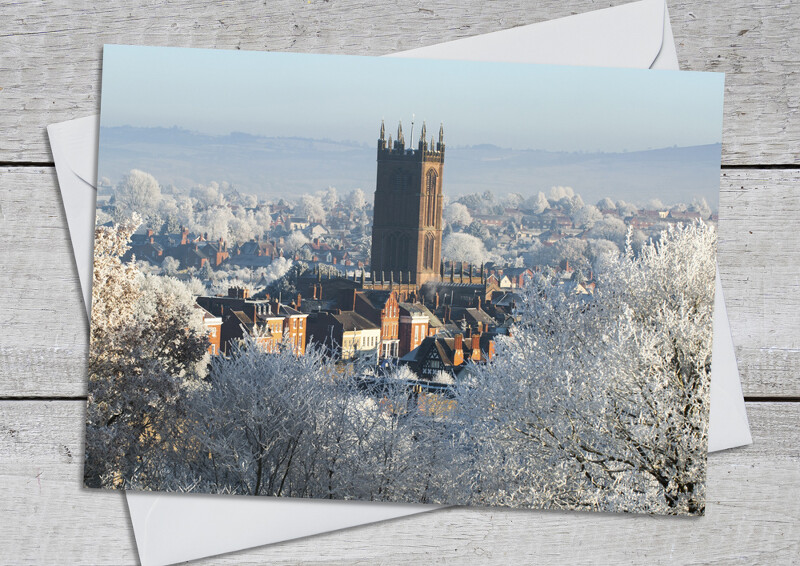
{"x":273,"y":166}
{"x":541,"y":107}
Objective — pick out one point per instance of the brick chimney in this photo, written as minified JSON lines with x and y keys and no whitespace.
{"x":476,"y":348}
{"x":458,"y":351}
{"x":355,"y":293}
{"x":299,"y":298}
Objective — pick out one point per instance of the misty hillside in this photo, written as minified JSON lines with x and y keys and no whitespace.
{"x":272,"y":167}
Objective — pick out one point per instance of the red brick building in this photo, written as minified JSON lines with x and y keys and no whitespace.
{"x":416,"y":323}
{"x":381,"y":308}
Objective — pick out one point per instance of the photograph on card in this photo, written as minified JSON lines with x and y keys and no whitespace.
{"x":403,"y":280}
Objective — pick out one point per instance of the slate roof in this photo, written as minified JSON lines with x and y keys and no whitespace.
{"x":351,"y":320}
{"x":420,"y":309}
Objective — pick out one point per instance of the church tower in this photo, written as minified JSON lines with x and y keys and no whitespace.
{"x":407,"y":225}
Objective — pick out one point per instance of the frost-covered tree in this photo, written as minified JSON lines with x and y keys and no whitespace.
{"x":257,"y":414}
{"x":356,"y":199}
{"x":295,"y":241}
{"x":606,"y":204}
{"x":329,"y":199}
{"x":458,"y":246}
{"x":138,"y":192}
{"x":147,"y":349}
{"x":610,"y":228}
{"x":558,"y":192}
{"x":196,"y":287}
{"x":170,"y":265}
{"x":208,"y":195}
{"x":248,"y":200}
{"x":573,"y":250}
{"x":586,"y":216}
{"x":514,"y":200}
{"x":311,"y":207}
{"x":537,"y":204}
{"x":479,"y":230}
{"x":603,"y":404}
{"x":457,"y":214}
{"x":214,"y":221}
{"x":626,"y":209}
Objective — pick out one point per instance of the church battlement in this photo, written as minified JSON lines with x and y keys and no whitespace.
{"x":397,"y":151}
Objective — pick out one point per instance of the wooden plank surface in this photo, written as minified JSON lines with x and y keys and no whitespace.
{"x":50,"y":71}
{"x":46,"y":353}
{"x":50,"y":51}
{"x":752,"y":516}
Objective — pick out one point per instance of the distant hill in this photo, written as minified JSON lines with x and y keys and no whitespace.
{"x":272,"y":167}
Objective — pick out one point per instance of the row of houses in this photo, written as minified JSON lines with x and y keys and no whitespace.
{"x":195,"y":250}
{"x":367,"y":324}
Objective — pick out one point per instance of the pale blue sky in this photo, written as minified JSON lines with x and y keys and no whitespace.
{"x":344,"y":98}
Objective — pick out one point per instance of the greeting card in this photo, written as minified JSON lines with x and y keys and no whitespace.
{"x":511,"y":306}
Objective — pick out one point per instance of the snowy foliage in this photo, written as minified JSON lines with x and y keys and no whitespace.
{"x":558,"y":193}
{"x":611,"y":397}
{"x":329,"y":198}
{"x":208,"y":196}
{"x":311,"y":207}
{"x":606,"y":204}
{"x":170,"y":265}
{"x":596,"y":403}
{"x":356,"y":199}
{"x":137,"y":192}
{"x":147,"y":351}
{"x":295,"y":241}
{"x":457,"y":214}
{"x":458,"y":247}
{"x":586,"y":216}
{"x":537,"y":204}
{"x":626,"y":209}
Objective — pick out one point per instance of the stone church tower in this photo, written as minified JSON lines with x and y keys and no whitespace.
{"x":407,"y":226}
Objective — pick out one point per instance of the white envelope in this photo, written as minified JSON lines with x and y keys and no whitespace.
{"x":171,"y":528}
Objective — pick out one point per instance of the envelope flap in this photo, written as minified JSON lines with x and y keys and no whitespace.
{"x":630,"y":35}
{"x":75,"y":141}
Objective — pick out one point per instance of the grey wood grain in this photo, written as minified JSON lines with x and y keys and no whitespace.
{"x":50,"y":71}
{"x":45,"y":355}
{"x":50,"y":51}
{"x":752,"y":516}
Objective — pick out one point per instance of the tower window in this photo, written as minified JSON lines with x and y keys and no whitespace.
{"x":430,"y":197}
{"x":427,"y":255}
